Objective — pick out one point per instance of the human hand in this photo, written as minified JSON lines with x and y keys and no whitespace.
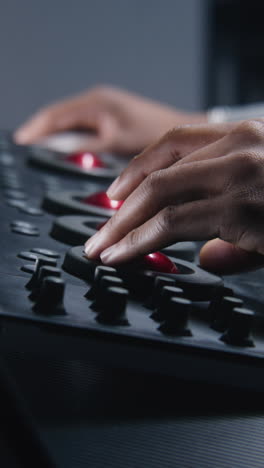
{"x":120,"y":122}
{"x":196,"y":183}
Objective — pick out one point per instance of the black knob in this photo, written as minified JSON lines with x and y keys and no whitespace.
{"x":222,"y":312}
{"x":177,"y":314}
{"x":104,"y":283}
{"x":44,"y":271}
{"x":238,"y":333}
{"x":159,"y":283}
{"x":100,"y":271}
{"x":50,"y":297}
{"x":167,"y":292}
{"x":40,"y":262}
{"x":113,"y":308}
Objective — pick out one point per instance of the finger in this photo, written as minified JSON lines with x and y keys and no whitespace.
{"x":173,"y":186}
{"x":58,"y":117}
{"x":171,"y":149}
{"x":224,"y":258}
{"x":196,"y":220}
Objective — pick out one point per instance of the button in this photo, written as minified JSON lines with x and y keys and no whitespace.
{"x":167,"y":292}
{"x":15,"y":203}
{"x":28,"y":268}
{"x":238,"y":333}
{"x":15,"y":194}
{"x":113,"y":308}
{"x":20,"y":223}
{"x":157,"y":261}
{"x":176,"y":323}
{"x":50,"y":297}
{"x":159,"y":282}
{"x":6,"y":159}
{"x":32,"y":283}
{"x":31,"y":210}
{"x":27,"y":256}
{"x":46,"y":252}
{"x":222,"y":310}
{"x":25,"y":231}
{"x":100,"y":271}
{"x":104,"y":283}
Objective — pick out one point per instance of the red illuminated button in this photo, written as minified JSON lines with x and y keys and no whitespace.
{"x":85,"y":160}
{"x":101,"y":200}
{"x":157,"y":261}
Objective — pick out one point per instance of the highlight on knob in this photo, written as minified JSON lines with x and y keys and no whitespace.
{"x":102,"y":200}
{"x":86,"y":160}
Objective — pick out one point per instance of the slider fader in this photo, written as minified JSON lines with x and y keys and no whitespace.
{"x":164,"y":314}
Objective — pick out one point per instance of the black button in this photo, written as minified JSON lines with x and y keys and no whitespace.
{"x":27,"y":256}
{"x":24,"y":224}
{"x":6,"y":159}
{"x":16,"y":194}
{"x":15,"y":203}
{"x":31,"y":210}
{"x":25,"y":231}
{"x":46,"y":252}
{"x":28,"y":268}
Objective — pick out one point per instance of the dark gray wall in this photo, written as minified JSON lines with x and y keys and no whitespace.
{"x":53,"y":48}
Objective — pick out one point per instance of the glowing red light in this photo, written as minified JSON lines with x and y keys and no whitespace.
{"x":101,"y":200}
{"x":85,"y":160}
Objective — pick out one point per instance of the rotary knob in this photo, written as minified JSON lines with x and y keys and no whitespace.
{"x":50,"y":297}
{"x":100,"y":271}
{"x":177,"y":314}
{"x":104,"y":283}
{"x":113,"y":307}
{"x":40,"y":262}
{"x":223,"y":310}
{"x":159,"y":283}
{"x":167,"y":292}
{"x":44,"y":271}
{"x":239,"y":331}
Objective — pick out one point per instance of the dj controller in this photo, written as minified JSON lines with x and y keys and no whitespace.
{"x":163,"y":315}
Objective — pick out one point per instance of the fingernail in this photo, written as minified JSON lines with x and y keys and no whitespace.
{"x":113,"y":188}
{"x":108,"y":254}
{"x":89,"y":246}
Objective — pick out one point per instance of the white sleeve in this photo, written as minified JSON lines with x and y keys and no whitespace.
{"x":230,"y":114}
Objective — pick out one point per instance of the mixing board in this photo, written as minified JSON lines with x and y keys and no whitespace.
{"x":164,"y":314}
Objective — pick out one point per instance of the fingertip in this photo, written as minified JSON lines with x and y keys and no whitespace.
{"x":223,"y":258}
{"x":21,"y":135}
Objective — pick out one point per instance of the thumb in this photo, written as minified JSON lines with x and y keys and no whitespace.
{"x":221,"y":257}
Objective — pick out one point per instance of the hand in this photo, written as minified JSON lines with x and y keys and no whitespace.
{"x":121,"y":122}
{"x":196,"y":183}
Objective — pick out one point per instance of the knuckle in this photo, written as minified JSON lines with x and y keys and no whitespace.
{"x":251,"y":131}
{"x":247,"y":164}
{"x":167,"y":218}
{"x":154,"y":181}
{"x":133,"y":238}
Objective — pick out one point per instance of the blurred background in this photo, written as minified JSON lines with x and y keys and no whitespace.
{"x":193,"y":54}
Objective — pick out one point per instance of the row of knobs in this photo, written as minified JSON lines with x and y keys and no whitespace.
{"x":109,"y":299}
{"x":167,"y":302}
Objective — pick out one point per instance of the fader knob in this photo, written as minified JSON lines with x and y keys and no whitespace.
{"x":44,"y":271}
{"x":100,"y":271}
{"x":239,"y":330}
{"x":113,"y":308}
{"x":223,"y":310}
{"x":40,"y":262}
{"x":177,"y":315}
{"x":167,"y":292}
{"x":50,"y":298}
{"x":105,"y":282}
{"x":159,"y":283}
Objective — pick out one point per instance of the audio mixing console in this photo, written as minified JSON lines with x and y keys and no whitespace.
{"x":164,"y":314}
